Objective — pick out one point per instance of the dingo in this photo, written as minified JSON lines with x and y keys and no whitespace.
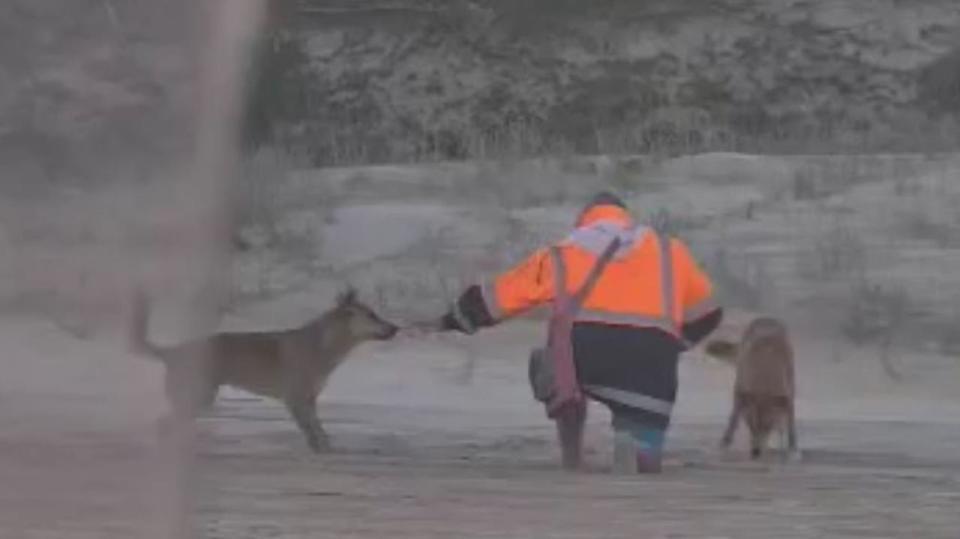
{"x":764,"y":388}
{"x":290,"y":365}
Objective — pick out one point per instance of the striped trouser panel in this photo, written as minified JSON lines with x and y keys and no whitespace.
{"x":631,"y":399}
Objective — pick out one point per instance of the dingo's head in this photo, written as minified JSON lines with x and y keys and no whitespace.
{"x":362,"y":323}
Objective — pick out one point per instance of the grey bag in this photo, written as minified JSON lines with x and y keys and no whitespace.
{"x":540,"y":374}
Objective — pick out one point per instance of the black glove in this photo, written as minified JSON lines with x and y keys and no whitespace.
{"x":696,"y":331}
{"x":452,"y":322}
{"x":468,"y":313}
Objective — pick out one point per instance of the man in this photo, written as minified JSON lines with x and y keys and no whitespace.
{"x":646,"y":306}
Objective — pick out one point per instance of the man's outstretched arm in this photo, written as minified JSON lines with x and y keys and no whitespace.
{"x":511,"y":293}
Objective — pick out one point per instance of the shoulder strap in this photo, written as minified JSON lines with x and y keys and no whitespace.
{"x":560,"y":279}
{"x":595,"y":271}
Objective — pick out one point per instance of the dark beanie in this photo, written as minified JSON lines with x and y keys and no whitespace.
{"x":605,"y":198}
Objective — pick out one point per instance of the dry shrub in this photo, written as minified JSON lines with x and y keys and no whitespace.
{"x":258,"y":209}
{"x":923,"y":224}
{"x":277,"y":230}
{"x":875,"y":315}
{"x":839,"y":252}
{"x":744,"y":282}
{"x":671,"y":223}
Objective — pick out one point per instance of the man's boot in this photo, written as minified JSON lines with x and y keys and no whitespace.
{"x":637,"y":450}
{"x":648,"y":462}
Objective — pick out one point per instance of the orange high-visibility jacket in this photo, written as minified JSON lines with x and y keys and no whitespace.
{"x":653,"y":281}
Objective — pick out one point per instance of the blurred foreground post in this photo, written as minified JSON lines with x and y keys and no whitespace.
{"x":230,"y":29}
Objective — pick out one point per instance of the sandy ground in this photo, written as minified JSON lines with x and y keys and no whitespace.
{"x":439,"y":437}
{"x":430,"y":443}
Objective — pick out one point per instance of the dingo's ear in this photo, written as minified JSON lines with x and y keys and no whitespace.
{"x":723,"y":350}
{"x":347,"y":297}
